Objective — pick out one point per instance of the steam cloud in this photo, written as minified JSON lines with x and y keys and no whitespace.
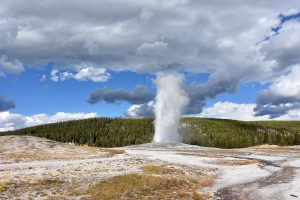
{"x":171,"y":99}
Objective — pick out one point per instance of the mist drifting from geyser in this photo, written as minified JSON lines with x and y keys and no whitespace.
{"x":170,"y":102}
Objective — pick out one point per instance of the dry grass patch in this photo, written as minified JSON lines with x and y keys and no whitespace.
{"x":237,"y":162}
{"x":141,"y":186}
{"x":276,"y":149}
{"x":39,"y":154}
{"x":32,"y":183}
{"x":35,"y":154}
{"x":195,"y":178}
{"x":36,"y":189}
{"x":46,"y":182}
{"x":225,"y":152}
{"x":103,"y":150}
{"x":113,"y":151}
{"x":201,"y":180}
{"x":161,"y":169}
{"x":154,"y":182}
{"x":16,"y":156}
{"x":3,"y":185}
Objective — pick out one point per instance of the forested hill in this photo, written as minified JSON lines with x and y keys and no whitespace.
{"x":102,"y":132}
{"x":115,"y":132}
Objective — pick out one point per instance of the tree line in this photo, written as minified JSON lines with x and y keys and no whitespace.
{"x":238,"y":134}
{"x":101,"y":132}
{"x":116,"y":132}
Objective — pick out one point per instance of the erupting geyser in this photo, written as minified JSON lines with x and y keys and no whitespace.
{"x":170,"y":102}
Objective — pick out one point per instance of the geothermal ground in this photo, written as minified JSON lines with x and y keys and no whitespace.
{"x":36,"y":168}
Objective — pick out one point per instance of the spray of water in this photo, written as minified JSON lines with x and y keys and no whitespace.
{"x":170,"y":102}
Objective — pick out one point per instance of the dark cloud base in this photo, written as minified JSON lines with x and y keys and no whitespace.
{"x":6,"y":104}
{"x":139,"y":95}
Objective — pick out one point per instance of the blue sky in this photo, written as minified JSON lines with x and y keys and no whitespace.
{"x":34,"y":95}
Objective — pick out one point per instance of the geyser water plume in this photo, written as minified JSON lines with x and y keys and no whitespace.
{"x":170,"y":102}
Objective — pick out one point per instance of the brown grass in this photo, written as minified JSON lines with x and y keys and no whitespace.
{"x":237,"y":162}
{"x":3,"y":185}
{"x":104,"y":150}
{"x":276,"y":149}
{"x":32,"y":183}
{"x":141,"y":186}
{"x":46,"y":182}
{"x":113,"y":151}
{"x":36,"y":154}
{"x":36,"y":188}
{"x":202,"y":180}
{"x":161,"y":169}
{"x":154,"y":182}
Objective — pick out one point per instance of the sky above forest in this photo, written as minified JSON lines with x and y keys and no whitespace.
{"x":63,"y":60}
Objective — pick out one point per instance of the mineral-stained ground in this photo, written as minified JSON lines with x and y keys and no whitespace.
{"x":37,"y":168}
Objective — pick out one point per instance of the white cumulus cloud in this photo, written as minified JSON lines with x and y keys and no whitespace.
{"x":287,"y":85}
{"x":12,"y":121}
{"x":245,"y":112}
{"x":291,"y":115}
{"x":282,"y":96}
{"x":229,"y":110}
{"x":83,"y":73}
{"x":141,"y":110}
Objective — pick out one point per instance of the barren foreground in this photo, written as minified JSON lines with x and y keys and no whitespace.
{"x":36,"y":168}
